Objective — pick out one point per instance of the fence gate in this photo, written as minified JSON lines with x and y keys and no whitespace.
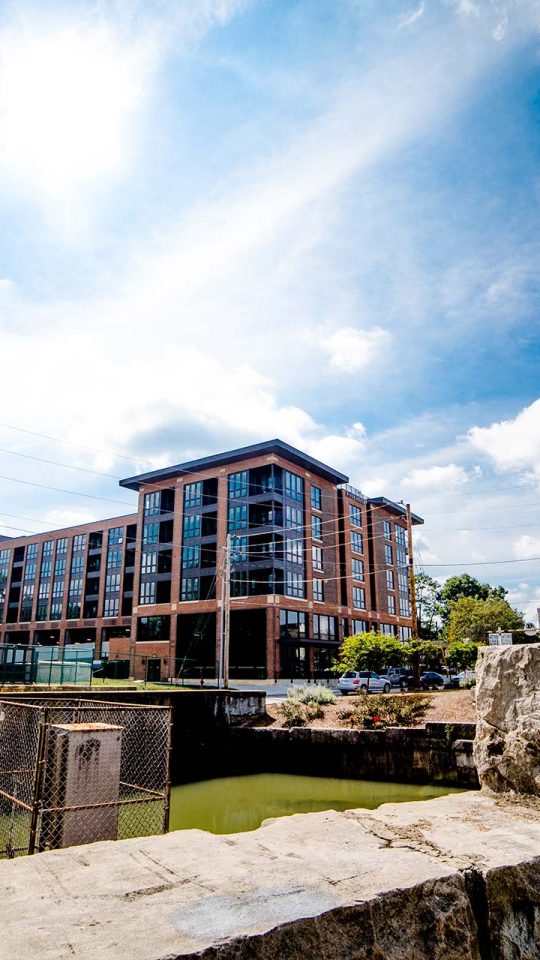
{"x":75,"y":771}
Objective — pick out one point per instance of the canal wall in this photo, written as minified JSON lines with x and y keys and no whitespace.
{"x":457,"y":878}
{"x":437,"y":753}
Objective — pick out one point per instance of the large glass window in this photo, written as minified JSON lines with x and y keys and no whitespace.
{"x":294,"y":551}
{"x":357,"y":542}
{"x":387,"y":530}
{"x":147,"y":593}
{"x":48,"y":548}
{"x":357,"y":569}
{"x":61,"y":546}
{"x":153,"y":628}
{"x":111,"y":606}
{"x":152,"y":504}
{"x":294,"y":585}
{"x":293,"y":517}
{"x":359,"y":598}
{"x":239,"y":549}
{"x":238,"y":484}
{"x":388,"y":554}
{"x":192,"y":526}
{"x":324,"y":628}
{"x":318,"y":590}
{"x":59,"y":566}
{"x":75,"y":587}
{"x":390,"y":579}
{"x":355,"y":515}
{"x":293,"y":485}
{"x":404,"y":605}
{"x":30,"y":571}
{"x":79,"y":542}
{"x":77,"y":564}
{"x":46,"y":566}
{"x":238,"y":516}
{"x":292,"y":624}
{"x":151,"y":532}
{"x":316,"y":528}
{"x":191,"y":557}
{"x":316,"y":557}
{"x":193,"y":494}
{"x":112,"y":582}
{"x":401,"y":536}
{"x":391,"y":604}
{"x":116,"y":535}
{"x":114,"y":559}
{"x":58,"y":589}
{"x":189,"y":588}
{"x":32,"y":551}
{"x":359,"y":626}
{"x":316,"y":498}
{"x":4,"y":556}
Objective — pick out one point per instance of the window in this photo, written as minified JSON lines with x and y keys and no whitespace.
{"x":193,"y":495}
{"x":294,"y":551}
{"x":116,"y":535}
{"x":77,"y":564}
{"x":293,"y":517}
{"x":318,"y":590}
{"x":355,"y":515}
{"x":61,"y":546}
{"x":44,"y":591}
{"x":57,"y":589}
{"x":28,"y":591}
{"x":316,"y":498}
{"x":359,"y":626}
{"x":46,"y":566}
{"x":390,"y":579}
{"x":4,"y":556}
{"x":294,"y":585}
{"x":324,"y":628}
{"x":404,"y":606}
{"x":316,"y":528}
{"x":401,"y":536}
{"x":239,"y":551}
{"x":359,"y":598}
{"x":114,"y":559}
{"x":405,"y":633}
{"x":152,"y":504}
{"x":59,"y":566}
{"x":192,"y":526}
{"x":190,"y":588}
{"x":388,"y":554}
{"x":387,"y":629}
{"x":153,"y":628}
{"x":30,"y":571}
{"x":147,"y":593}
{"x":112,"y":582}
{"x":73,"y":609}
{"x":238,"y":484}
{"x":32,"y":551}
{"x":111,"y":606}
{"x":403,"y":581}
{"x":401,"y":557}
{"x":48,"y":548}
{"x":56,"y":610}
{"x":292,"y":624}
{"x":79,"y":542}
{"x":357,"y":569}
{"x":391,"y":604}
{"x":316,"y":557}
{"x":238,"y":517}
{"x":191,"y":557}
{"x":293,"y":485}
{"x":357,"y":542}
{"x":151,"y":532}
{"x":387,"y":530}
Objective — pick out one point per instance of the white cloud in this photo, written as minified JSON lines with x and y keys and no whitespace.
{"x":426,"y":478}
{"x":512,"y":444}
{"x":527,"y":547}
{"x":412,"y":16}
{"x":352,"y":350}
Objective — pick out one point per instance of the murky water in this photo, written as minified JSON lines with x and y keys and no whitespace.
{"x":236,"y":804}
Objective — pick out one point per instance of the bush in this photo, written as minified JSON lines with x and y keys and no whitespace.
{"x":314,"y":711}
{"x":387,"y":711}
{"x":292,"y":713}
{"x":313,"y":694}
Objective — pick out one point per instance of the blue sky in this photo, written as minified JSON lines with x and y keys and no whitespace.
{"x":229,"y":220}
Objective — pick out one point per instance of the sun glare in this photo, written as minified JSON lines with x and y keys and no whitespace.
{"x":66,"y":102}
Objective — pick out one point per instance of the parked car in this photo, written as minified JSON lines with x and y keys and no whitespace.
{"x":433,"y":681}
{"x":466,"y":677}
{"x":399,"y":676}
{"x":363,"y":681}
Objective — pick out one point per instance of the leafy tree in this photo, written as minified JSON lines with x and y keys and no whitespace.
{"x":464,"y":586}
{"x":473,"y":619}
{"x":462,"y":655}
{"x":371,"y":651}
{"x":421,"y":653}
{"x":428,"y":606}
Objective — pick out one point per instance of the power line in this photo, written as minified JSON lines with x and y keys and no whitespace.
{"x":55,"y":463}
{"x":74,"y":493}
{"x":78,"y":446}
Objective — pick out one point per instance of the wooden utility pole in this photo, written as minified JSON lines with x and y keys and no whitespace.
{"x":227,"y":615}
{"x":412,"y":585}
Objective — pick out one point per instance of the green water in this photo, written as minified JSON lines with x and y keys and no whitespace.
{"x":236,"y":804}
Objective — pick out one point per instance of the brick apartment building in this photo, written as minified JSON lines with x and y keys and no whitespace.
{"x":311,"y":560}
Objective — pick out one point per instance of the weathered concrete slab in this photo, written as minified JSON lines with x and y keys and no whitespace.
{"x":456,"y":878}
{"x":507,"y":743}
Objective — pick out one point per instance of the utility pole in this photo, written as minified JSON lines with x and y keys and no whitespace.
{"x":223,"y":676}
{"x":412,"y":584}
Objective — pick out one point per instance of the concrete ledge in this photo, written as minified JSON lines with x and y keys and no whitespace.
{"x":456,"y":878}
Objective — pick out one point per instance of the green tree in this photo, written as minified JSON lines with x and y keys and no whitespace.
{"x":464,"y":586}
{"x":428,"y":606}
{"x":462,"y":655}
{"x":371,"y":651}
{"x":421,"y":654}
{"x":473,"y":619}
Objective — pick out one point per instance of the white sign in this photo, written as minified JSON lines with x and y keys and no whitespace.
{"x":500,"y":639}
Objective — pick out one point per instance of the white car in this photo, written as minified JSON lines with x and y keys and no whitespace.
{"x":363,"y":681}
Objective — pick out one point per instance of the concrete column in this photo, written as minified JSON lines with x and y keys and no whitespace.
{"x":82,"y":772}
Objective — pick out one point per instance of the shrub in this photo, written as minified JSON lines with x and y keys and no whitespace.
{"x":386,"y":711}
{"x":314,"y":711}
{"x":313,"y":694}
{"x":292,"y":713}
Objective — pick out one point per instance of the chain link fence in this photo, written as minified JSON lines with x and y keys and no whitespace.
{"x":78,"y":771}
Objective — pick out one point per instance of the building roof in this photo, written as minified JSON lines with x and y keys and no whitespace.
{"x":277,"y":447}
{"x":399,"y":509}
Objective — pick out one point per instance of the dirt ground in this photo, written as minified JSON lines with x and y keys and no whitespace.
{"x":453,"y":706}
